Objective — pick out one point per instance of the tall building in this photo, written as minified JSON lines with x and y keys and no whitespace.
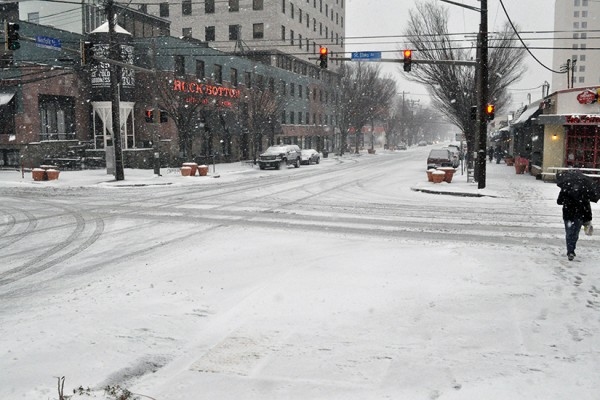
{"x":294,"y":27}
{"x":575,"y":41}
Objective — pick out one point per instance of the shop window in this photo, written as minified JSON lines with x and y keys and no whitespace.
{"x":57,"y":117}
{"x":7,"y":114}
{"x":583,"y":147}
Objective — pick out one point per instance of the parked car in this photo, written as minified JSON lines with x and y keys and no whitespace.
{"x":402,"y":146}
{"x":310,"y":156}
{"x":280,"y":155}
{"x":455,"y":155}
{"x":422,"y":143}
{"x":439,"y":158}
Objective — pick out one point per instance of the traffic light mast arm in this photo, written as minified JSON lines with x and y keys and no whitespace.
{"x":413,"y":61}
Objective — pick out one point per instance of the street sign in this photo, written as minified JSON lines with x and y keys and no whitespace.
{"x":366,"y":55}
{"x":48,"y":43}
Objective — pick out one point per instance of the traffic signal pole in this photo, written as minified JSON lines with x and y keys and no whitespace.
{"x":113,"y":51}
{"x":482,"y":99}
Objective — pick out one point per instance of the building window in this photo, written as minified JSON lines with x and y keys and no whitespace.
{"x":283,"y":6}
{"x":300,"y":41}
{"x":307,"y":20}
{"x":283,"y":117}
{"x":299,"y":117}
{"x":307,"y":118}
{"x":257,"y":4}
{"x":209,"y":7}
{"x":234,"y":5}
{"x":584,"y":3}
{"x":300,"y":15}
{"x":179,"y":67}
{"x":186,"y":7}
{"x":342,"y":21}
{"x":582,"y":57}
{"x":164,"y":10}
{"x":283,"y":88}
{"x":57,"y":117}
{"x":300,"y":91}
{"x":233,"y":32}
{"x":200,"y":74}
{"x":218,"y":73}
{"x":186,"y":32}
{"x":271,"y":85}
{"x":209,"y":34}
{"x":7,"y":117}
{"x":292,"y":118}
{"x":248,"y":79}
{"x":233,"y":77}
{"x":292,"y":89}
{"x":258,"y":31}
{"x":282,"y":32}
{"x":291,"y":11}
{"x":291,"y":37}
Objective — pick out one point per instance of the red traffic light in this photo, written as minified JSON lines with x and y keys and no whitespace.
{"x":407,"y":53}
{"x":323,"y":51}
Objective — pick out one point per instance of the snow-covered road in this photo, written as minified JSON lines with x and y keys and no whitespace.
{"x":331,"y":281}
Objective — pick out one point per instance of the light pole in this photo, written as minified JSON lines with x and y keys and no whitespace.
{"x":482,"y":90}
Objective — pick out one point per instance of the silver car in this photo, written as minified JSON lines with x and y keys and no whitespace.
{"x":310,"y":156}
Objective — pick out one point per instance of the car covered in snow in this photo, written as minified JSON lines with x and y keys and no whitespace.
{"x":439,"y":158}
{"x":310,"y":156}
{"x":280,"y":156}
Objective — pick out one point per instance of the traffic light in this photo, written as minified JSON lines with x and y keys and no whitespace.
{"x":163,"y":116}
{"x":473,"y":113}
{"x":87,"y":53}
{"x":323,"y":57}
{"x":489,"y":111}
{"x":150,"y":115}
{"x":407,"y":60}
{"x":11,"y":36}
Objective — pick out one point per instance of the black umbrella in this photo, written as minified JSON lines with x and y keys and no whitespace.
{"x":578,"y":185}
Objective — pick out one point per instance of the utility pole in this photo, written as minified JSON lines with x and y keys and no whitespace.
{"x":114,"y":54}
{"x":482,"y":98}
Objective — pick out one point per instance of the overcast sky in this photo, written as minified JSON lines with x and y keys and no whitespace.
{"x":366,"y":18}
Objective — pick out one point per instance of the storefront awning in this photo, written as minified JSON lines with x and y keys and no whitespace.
{"x":5,"y":98}
{"x":527,"y":115}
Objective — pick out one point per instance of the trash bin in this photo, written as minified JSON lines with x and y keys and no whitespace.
{"x":325,"y":153}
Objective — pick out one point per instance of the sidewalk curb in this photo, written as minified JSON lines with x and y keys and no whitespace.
{"x":460,"y":194}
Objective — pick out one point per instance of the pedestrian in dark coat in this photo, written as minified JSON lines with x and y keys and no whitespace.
{"x":576,"y":211}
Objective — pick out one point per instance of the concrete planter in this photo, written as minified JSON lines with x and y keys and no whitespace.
{"x":203,"y":170}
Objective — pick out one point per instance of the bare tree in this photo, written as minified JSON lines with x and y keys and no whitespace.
{"x":365,"y":95}
{"x":261,"y":112}
{"x":453,"y":88}
{"x":185,"y":110}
